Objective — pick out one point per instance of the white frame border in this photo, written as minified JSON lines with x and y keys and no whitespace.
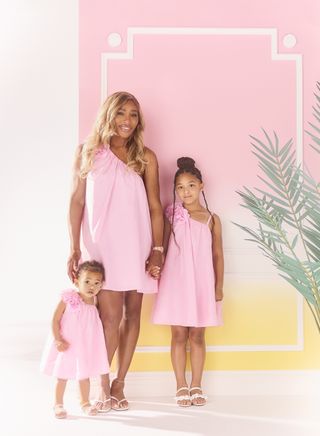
{"x":297,"y":58}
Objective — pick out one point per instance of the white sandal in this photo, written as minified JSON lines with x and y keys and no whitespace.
{"x":102,"y":406}
{"x":179,"y":398}
{"x":197,"y":395}
{"x":59,"y":411}
{"x":89,"y":409}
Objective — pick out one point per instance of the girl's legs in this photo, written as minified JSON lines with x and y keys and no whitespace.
{"x":197,"y":358}
{"x":179,"y":339}
{"x":129,"y":333}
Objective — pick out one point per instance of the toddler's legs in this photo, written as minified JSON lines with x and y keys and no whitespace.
{"x":179,"y":340}
{"x":87,"y":408}
{"x":197,"y":358}
{"x":59,"y":411}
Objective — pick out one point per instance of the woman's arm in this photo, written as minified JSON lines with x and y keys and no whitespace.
{"x":217,"y":256}
{"x":60,"y":342}
{"x":166,"y":234}
{"x":76,"y":207}
{"x":151,"y":181}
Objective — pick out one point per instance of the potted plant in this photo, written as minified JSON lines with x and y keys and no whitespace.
{"x":287,"y":210}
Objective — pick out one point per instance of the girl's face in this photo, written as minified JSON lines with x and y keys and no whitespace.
{"x":126,"y":119}
{"x":89,"y":283}
{"x":188,"y":188}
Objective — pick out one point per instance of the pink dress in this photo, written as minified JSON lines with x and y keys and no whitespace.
{"x":186,"y":294}
{"x":116,"y":226}
{"x":81,"y":327}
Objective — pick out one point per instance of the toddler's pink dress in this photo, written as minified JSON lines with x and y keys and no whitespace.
{"x":81,"y":327}
{"x":186,"y":294}
{"x":116,"y":226}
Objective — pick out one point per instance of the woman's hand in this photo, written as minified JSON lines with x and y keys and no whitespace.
{"x":154,"y":264}
{"x":73,"y":263}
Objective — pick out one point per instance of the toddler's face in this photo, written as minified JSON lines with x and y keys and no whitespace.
{"x":188,"y":188}
{"x":89,"y":283}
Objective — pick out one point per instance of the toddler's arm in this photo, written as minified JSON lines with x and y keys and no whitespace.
{"x":217,"y":256}
{"x":60,"y":342}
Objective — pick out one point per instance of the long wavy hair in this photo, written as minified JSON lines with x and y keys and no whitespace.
{"x":103,"y":130}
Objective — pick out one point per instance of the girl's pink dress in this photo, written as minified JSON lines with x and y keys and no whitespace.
{"x":186,"y":294}
{"x":81,"y":327}
{"x":116,"y":226}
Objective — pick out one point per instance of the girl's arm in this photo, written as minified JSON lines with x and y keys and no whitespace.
{"x":60,"y":342}
{"x":76,"y":207}
{"x":217,"y":256}
{"x":151,"y":181}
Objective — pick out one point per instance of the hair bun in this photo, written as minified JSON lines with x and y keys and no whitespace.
{"x":185,"y":163}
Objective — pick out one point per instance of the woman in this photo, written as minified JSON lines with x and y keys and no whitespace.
{"x":115,"y":207}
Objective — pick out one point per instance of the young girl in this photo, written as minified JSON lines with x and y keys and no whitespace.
{"x":116,"y":218}
{"x":78,"y":350}
{"x":191,"y":284}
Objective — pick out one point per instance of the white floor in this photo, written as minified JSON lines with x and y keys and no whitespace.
{"x":26,"y":398}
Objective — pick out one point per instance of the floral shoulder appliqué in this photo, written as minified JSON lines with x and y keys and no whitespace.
{"x":180,"y":213}
{"x":71,"y":298}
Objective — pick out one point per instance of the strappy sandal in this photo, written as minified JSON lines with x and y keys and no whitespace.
{"x":180,"y":398}
{"x":59,"y":411}
{"x":197,"y":395}
{"x":102,"y":406}
{"x":89,"y":409}
{"x":116,"y":402}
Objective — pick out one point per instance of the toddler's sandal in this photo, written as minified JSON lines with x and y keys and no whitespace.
{"x":89,"y":409}
{"x":59,"y":411}
{"x":102,"y":406}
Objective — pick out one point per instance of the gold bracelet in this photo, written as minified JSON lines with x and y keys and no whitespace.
{"x":159,"y":248}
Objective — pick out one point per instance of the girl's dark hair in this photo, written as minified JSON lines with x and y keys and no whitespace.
{"x":187,"y":165}
{"x":92,"y":266}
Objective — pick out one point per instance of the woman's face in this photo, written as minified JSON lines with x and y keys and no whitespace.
{"x":126,"y":120}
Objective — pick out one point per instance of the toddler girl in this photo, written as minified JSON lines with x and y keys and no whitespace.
{"x":77,"y":349}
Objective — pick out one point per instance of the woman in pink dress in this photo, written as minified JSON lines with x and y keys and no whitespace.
{"x":76,"y":349}
{"x":191,"y":284}
{"x":115,"y":212}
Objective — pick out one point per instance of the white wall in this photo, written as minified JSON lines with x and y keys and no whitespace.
{"x":39,"y":132}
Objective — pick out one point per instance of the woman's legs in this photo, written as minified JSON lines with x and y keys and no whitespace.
{"x":129,"y":333}
{"x":197,"y":359}
{"x":111,"y":309}
{"x":179,"y":339}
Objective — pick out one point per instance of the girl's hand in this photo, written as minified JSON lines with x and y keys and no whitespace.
{"x":219,"y":294}
{"x":61,"y":345}
{"x":154,"y":264}
{"x":73,"y":262}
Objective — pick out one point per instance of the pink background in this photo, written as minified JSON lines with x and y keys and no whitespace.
{"x":202,"y":95}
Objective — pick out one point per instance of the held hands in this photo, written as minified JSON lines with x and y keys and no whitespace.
{"x":154,"y":264}
{"x":61,"y":345}
{"x":219,"y":294}
{"x":73,"y":262}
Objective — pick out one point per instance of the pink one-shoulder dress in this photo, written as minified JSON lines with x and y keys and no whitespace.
{"x":186,"y":294}
{"x":81,"y":327}
{"x":116,"y":226}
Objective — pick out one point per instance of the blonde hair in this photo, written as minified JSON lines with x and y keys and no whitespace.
{"x":104,"y":129}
